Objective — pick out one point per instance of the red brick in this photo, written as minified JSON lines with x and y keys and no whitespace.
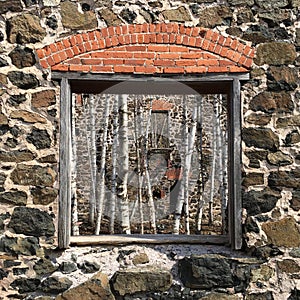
{"x":209,"y":34}
{"x":131,"y":28}
{"x":138,"y":28}
{"x":112,"y":61}
{"x":224,"y":52}
{"x":115,"y":41}
{"x":205,"y":44}
{"x":85,"y":37}
{"x":60,"y":46}
{"x":63,"y":55}
{"x":236,"y":69}
{"x":44,"y":63}
{"x":74,"y":61}
{"x":252,"y":53}
{"x":140,"y":38}
{"x":50,"y":61}
{"x":134,"y":62}
{"x":69,"y":53}
{"x":195,"y":31}
{"x":60,"y":67}
{"x":100,"y":54}
{"x":79,"y":68}
{"x":236,"y":57}
{"x":94,"y":45}
{"x":98,"y":35}
{"x":101,"y":69}
{"x":66,"y":43}
{"x":108,"y":42}
{"x":221,"y":40}
{"x":172,"y":38}
{"x":73,"y":41}
{"x":223,"y":62}
{"x":171,"y":27}
{"x":234,"y":44}
{"x":136,"y":48}
{"x":191,"y":55}
{"x":174,"y":70}
{"x":152,"y":28}
{"x":144,"y":54}
{"x":111,"y":31}
{"x":91,"y":61}
{"x":56,"y":58}
{"x":227,"y":42}
{"x":248,"y":63}
{"x":242,"y":60}
{"x":164,"y":62}
{"x":81,"y":48}
{"x":124,"y":29}
{"x":208,"y":62}
{"x":170,"y":55}
{"x":199,"y":42}
{"x":40,"y":53}
{"x":166,"y":38}
{"x":218,"y":49}
{"x":145,"y":69}
{"x":211,"y":47}
{"x":153,"y":38}
{"x":102,"y":44}
{"x":185,"y":40}
{"x":104,"y":32}
{"x":76,"y":50}
{"x":195,"y":69}
{"x":217,"y":69}
{"x":186,"y":62}
{"x":158,"y":48}
{"x":91,"y":35}
{"x":120,"y":54}
{"x":176,"y":48}
{"x":179,"y":39}
{"x":133,"y":39}
{"x":230,"y":54}
{"x":158,"y":27}
{"x":146,"y":38}
{"x":124,"y":69}
{"x":192,"y":41}
{"x":145,"y":27}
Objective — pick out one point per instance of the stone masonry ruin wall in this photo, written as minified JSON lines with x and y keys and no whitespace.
{"x":31,"y":266}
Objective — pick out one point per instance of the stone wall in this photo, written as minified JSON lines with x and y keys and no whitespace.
{"x":268,"y":266}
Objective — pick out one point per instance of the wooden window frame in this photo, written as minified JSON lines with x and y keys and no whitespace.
{"x":96,"y":83}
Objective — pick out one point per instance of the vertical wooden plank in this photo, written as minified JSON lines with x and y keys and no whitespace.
{"x":235,"y":202}
{"x":64,"y":214}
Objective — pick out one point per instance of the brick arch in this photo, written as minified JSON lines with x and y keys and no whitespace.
{"x":148,"y":49}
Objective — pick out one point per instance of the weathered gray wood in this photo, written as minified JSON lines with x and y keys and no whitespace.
{"x":135,"y":77}
{"x":235,"y":202}
{"x":64,"y":213}
{"x":147,"y":239}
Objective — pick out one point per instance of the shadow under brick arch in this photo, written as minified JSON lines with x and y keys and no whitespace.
{"x":148,"y":49}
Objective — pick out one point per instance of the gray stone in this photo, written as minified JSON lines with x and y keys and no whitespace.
{"x":288,"y":121}
{"x":295,"y":201}
{"x":93,"y":289}
{"x":295,"y":295}
{"x":3,"y":218}
{"x":110,"y":18}
{"x":282,"y":233}
{"x":180,"y":14}
{"x":20,"y":271}
{"x":213,"y":16}
{"x":10,"y":5}
{"x":219,"y":296}
{"x":25,"y":285}
{"x":44,"y":266}
{"x":23,"y":80}
{"x":241,"y":2}
{"x":131,"y":281}
{"x":3,"y":62}
{"x":73,"y":19}
{"x":55,"y":284}
{"x":48,"y":159}
{"x":44,"y":98}
{"x":141,"y":258}
{"x":295,"y":3}
{"x":67,"y":267}
{"x":251,"y":225}
{"x":3,"y":274}
{"x":297,"y":41}
{"x":258,"y":119}
{"x":31,"y":221}
{"x":33,"y":175}
{"x":25,"y":28}
{"x":52,"y":22}
{"x":16,"y":156}
{"x":253,"y":179}
{"x":282,"y":78}
{"x":14,"y":197}
{"x":267,"y":251}
{"x":51,"y":2}
{"x":271,"y":4}
{"x":289,"y":266}
{"x":40,"y":138}
{"x":295,"y":253}
{"x":274,"y":17}
{"x":245,"y":16}
{"x":128,"y":15}
{"x":15,"y":246}
{"x":257,"y":202}
{"x":270,"y":102}
{"x":260,"y":296}
{"x":15,"y":100}
{"x":258,"y":34}
{"x":285,"y":179}
{"x":260,"y":137}
{"x":43,"y":195}
{"x":22,"y":57}
{"x":3,"y":119}
{"x":279,"y":159}
{"x":89,"y":267}
{"x":27,"y":116}
{"x":206,"y":272}
{"x":2,"y":181}
{"x":275,"y":53}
